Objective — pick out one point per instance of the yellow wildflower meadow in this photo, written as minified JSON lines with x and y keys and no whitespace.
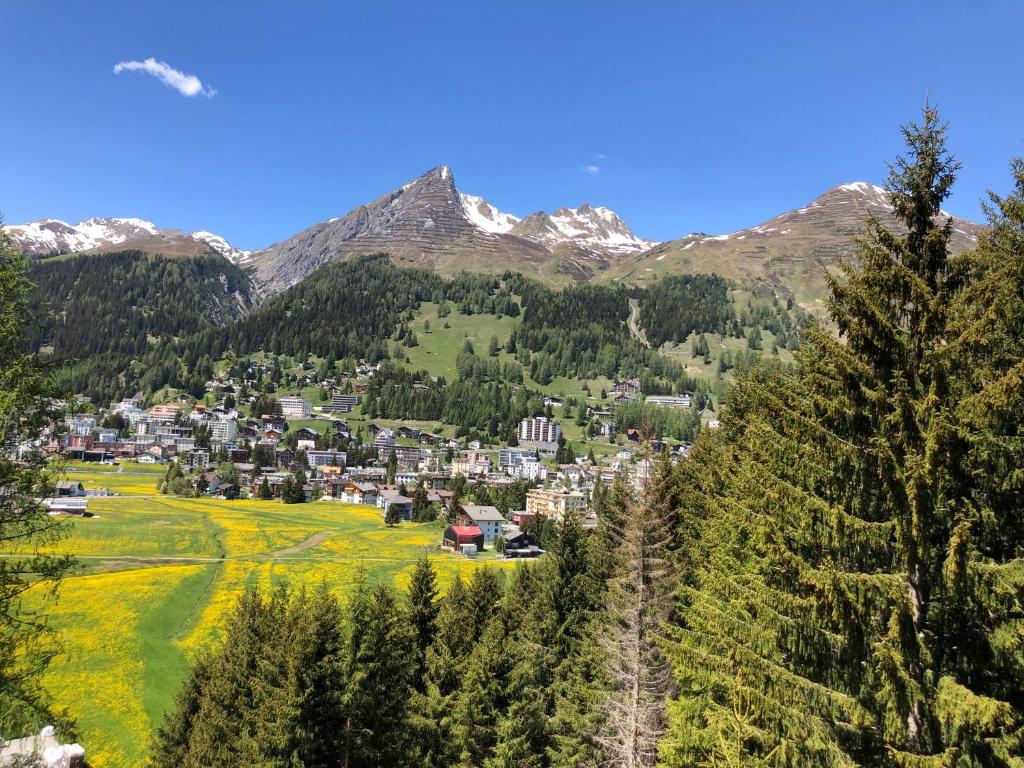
{"x":159,"y":573}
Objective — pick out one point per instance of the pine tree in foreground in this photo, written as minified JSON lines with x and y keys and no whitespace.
{"x":27,"y":532}
{"x":850,"y":539}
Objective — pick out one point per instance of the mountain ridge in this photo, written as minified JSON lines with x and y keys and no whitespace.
{"x":53,"y":237}
{"x":791,"y":251}
{"x":428,"y":222}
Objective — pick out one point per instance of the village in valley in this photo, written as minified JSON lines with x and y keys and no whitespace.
{"x":286,"y":443}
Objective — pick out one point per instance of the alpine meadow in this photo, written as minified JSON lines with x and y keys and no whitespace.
{"x":310,"y":458}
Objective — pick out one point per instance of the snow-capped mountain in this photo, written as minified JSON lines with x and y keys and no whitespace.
{"x":53,"y":236}
{"x":428,"y":222}
{"x":486,"y":216}
{"x":586,"y":226}
{"x":791,"y":251}
{"x":222,"y":246}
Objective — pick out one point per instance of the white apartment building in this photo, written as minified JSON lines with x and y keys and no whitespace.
{"x":223,"y":430}
{"x":539,"y":429}
{"x":295,"y":407}
{"x":531,"y":469}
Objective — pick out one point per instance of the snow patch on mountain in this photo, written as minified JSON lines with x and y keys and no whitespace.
{"x":56,"y":236}
{"x":223,"y":247}
{"x":53,"y":236}
{"x":594,"y":229}
{"x":485,"y":216}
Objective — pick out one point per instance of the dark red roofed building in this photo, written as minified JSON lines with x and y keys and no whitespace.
{"x":457,"y":535}
{"x":522,"y":518}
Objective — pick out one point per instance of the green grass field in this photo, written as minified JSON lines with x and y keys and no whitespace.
{"x":156,"y":575}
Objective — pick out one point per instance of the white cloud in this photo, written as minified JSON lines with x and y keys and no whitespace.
{"x":593,"y":170}
{"x":186,"y":85}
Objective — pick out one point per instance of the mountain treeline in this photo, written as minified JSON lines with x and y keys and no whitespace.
{"x":678,"y":305}
{"x":124,"y":302}
{"x":852,"y":538}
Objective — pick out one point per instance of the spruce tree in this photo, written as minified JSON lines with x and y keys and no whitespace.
{"x":26,"y":389}
{"x":639,"y":600}
{"x":379,"y":675}
{"x":845,"y":550}
{"x":423,"y":609}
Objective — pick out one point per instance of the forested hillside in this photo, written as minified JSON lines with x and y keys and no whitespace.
{"x":172,"y":331}
{"x":350,"y":310}
{"x":128,"y":301}
{"x":99,"y":314}
{"x":675,"y":307}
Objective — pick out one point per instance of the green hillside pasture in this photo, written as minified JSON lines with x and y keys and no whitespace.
{"x":157,"y":574}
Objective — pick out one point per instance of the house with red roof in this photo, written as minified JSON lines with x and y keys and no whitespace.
{"x":455,"y":536}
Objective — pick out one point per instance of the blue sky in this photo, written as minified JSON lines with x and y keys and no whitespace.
{"x":697,"y":115}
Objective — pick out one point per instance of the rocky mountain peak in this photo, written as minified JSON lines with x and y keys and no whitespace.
{"x":429,"y":222}
{"x":599,"y":229}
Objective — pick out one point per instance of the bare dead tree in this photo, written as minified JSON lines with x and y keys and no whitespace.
{"x":639,"y":602}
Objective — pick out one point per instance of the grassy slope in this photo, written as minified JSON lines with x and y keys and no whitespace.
{"x":158,"y":573}
{"x":439,"y":347}
{"x":761,"y":264}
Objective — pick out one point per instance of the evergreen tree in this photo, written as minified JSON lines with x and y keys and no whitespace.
{"x":266,"y":492}
{"x":423,"y":607}
{"x":288,"y":490}
{"x":564,"y":454}
{"x":639,"y":601}
{"x":392,"y":467}
{"x":378,"y":667}
{"x":422,"y":510}
{"x":26,"y":646}
{"x":842,"y":542}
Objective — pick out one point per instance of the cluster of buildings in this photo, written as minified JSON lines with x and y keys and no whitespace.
{"x":266,"y":454}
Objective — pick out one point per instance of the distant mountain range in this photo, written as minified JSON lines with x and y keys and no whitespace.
{"x":52,"y":237}
{"x":429,"y":223}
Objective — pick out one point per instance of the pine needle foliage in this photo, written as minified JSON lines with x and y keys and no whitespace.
{"x":850,"y":540}
{"x":26,"y":409}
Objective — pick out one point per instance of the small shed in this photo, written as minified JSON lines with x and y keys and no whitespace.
{"x":69,"y":488}
{"x":455,"y":536}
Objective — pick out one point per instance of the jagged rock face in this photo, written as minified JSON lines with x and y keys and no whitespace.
{"x":429,"y":223}
{"x":421,"y":223}
{"x":50,"y":237}
{"x":791,"y":251}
